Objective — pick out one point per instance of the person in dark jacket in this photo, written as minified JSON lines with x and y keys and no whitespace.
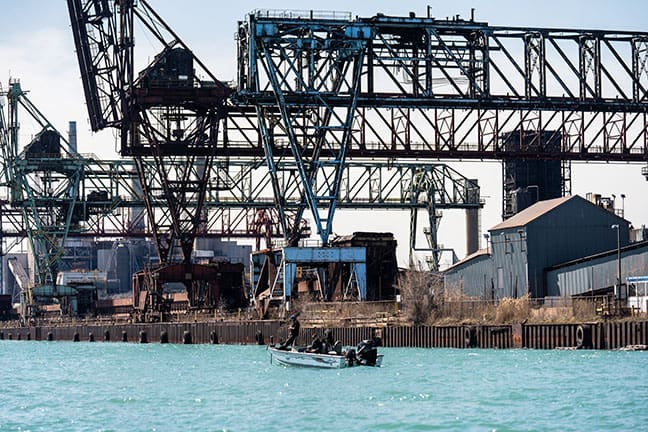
{"x":316,"y":345}
{"x":328,"y":341}
{"x":293,"y":332}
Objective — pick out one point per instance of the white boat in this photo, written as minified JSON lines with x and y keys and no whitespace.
{"x":306,"y":359}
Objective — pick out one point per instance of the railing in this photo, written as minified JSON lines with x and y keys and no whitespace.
{"x":302,"y":14}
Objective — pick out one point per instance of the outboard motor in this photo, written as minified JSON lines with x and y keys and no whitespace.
{"x":367,"y":352}
{"x":350,"y":358}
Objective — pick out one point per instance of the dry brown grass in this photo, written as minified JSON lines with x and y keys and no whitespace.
{"x":424,"y":301}
{"x":510,"y":310}
{"x":584,"y":310}
{"x":420,"y":291}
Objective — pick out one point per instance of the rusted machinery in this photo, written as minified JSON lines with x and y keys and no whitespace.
{"x":361,"y":266}
{"x":217,"y":284}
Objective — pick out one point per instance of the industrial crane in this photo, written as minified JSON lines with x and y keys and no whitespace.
{"x":318,"y":90}
{"x":183,"y":124}
{"x":43,"y":180}
{"x":171,"y":114}
{"x":333,"y":87}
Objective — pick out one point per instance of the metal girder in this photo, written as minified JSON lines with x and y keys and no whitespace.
{"x":6,"y":173}
{"x":471,"y":134}
{"x":434,"y":88}
{"x":426,"y":62}
{"x":318,"y":133}
{"x":240,"y":192}
{"x":103,"y":42}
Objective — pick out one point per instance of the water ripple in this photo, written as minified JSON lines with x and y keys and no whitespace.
{"x":66,"y":386}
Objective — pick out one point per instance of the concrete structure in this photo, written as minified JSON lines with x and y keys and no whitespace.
{"x":544,"y":235}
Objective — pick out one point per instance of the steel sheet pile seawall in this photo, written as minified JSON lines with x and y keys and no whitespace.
{"x":536,"y":336}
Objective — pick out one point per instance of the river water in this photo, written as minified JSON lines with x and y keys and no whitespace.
{"x":66,"y":386}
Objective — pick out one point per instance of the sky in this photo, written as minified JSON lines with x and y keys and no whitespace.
{"x":36,"y":46}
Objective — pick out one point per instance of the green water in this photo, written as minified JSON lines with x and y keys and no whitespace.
{"x":65,"y":386}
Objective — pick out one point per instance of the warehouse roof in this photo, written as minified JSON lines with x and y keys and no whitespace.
{"x":472,"y":256}
{"x":531,"y":213}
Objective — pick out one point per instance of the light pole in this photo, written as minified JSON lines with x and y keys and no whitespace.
{"x":618,"y":230}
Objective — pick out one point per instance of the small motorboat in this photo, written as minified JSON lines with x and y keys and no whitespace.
{"x":303,"y":358}
{"x":367,"y":355}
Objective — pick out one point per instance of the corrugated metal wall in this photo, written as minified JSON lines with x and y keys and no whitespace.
{"x":573,"y":230}
{"x":510,"y":261}
{"x":474,"y":278}
{"x":596,"y":273}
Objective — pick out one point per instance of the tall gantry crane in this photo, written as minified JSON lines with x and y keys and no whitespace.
{"x":317,"y":90}
{"x":170,"y":113}
{"x":327,"y":87}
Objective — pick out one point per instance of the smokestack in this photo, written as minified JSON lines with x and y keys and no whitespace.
{"x":472,"y":230}
{"x":72,"y":137}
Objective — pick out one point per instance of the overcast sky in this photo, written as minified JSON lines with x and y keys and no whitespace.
{"x":36,"y":46}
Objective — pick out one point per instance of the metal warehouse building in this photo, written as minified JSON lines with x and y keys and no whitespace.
{"x":598,"y":272}
{"x":473,"y":276}
{"x":544,"y":235}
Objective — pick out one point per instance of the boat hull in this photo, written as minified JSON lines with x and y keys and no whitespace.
{"x":296,"y":358}
{"x":304,"y":359}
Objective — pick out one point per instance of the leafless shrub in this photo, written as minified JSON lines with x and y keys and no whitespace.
{"x":513,"y":310}
{"x":584,"y":310}
{"x":419,"y":292}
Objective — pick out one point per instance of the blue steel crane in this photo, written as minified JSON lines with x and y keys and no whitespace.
{"x":327,"y":87}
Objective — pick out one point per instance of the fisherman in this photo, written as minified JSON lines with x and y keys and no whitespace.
{"x":328,"y":341}
{"x":293,"y":332}
{"x":315,"y":346}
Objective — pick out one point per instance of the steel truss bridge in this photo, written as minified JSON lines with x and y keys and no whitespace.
{"x":317,"y":92}
{"x":52,"y":194}
{"x":318,"y":88}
